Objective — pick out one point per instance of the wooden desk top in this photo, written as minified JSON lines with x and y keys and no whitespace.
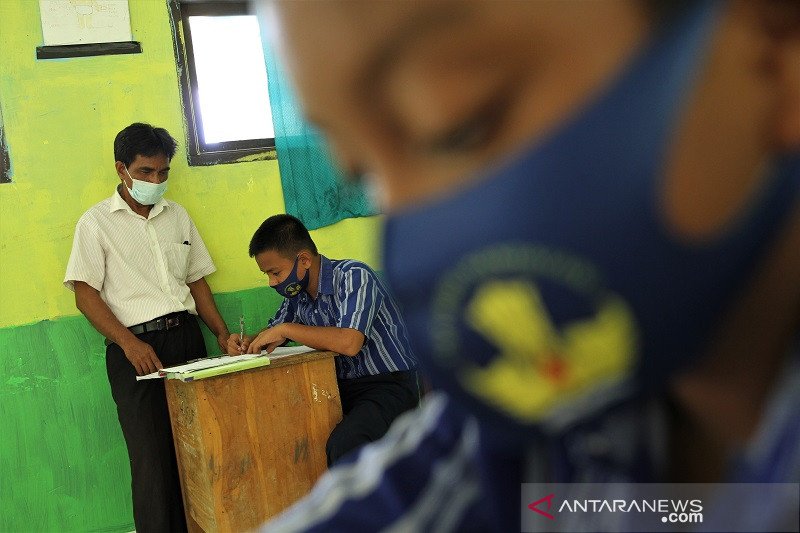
{"x":293,"y":359}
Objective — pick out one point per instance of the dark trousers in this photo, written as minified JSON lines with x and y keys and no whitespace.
{"x":143,"y":415}
{"x":369,"y":406}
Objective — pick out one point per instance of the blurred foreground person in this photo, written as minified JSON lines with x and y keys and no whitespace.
{"x":593,"y":229}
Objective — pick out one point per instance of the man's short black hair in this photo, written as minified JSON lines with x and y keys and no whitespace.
{"x":145,"y":140}
{"x":283,"y":233}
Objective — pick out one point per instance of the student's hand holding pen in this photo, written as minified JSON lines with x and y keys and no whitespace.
{"x":237,"y":344}
{"x":268,"y":340}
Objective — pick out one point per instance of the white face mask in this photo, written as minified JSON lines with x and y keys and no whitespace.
{"x":144,"y":192}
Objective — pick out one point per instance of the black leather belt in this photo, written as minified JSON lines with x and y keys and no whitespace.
{"x":170,"y":321}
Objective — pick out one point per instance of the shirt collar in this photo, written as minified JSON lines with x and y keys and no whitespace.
{"x":325,"y":285}
{"x":118,"y":203}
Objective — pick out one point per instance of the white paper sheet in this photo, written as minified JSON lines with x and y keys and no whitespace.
{"x":84,"y":21}
{"x":213,"y":361}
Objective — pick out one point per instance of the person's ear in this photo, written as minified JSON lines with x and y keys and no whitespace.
{"x":120,"y":166}
{"x":305,"y":259}
{"x":781,"y":23}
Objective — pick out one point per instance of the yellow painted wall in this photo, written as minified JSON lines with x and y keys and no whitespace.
{"x":61,"y":117}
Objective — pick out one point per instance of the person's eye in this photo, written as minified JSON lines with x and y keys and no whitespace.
{"x":352,"y":172}
{"x":353,"y":175}
{"x":478,"y":130}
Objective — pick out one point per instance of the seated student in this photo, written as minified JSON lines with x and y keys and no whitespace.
{"x":341,"y":306}
{"x":593,"y":228}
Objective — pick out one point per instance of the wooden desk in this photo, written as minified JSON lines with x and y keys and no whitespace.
{"x":251,"y":443}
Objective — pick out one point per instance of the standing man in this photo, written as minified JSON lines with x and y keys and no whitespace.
{"x":341,"y":306}
{"x":138,"y":268}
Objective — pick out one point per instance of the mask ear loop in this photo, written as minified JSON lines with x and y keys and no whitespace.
{"x":130,"y":189}
{"x":297,"y":265}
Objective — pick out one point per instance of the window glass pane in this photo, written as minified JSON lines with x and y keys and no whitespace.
{"x":231,"y":78}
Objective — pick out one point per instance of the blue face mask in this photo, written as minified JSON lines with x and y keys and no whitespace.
{"x":550,"y":289}
{"x":292,"y":285}
{"x":144,"y":192}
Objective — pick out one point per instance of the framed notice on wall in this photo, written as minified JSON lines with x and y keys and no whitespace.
{"x":72,"y":28}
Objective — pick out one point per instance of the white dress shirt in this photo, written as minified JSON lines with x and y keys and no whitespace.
{"x":141,"y":266}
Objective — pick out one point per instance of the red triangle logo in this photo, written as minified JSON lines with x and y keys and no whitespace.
{"x":549,"y":500}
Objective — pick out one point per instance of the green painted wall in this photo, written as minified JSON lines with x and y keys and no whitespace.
{"x":63,"y":465}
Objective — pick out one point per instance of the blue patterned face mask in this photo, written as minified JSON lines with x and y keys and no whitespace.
{"x":550,"y":288}
{"x":144,"y":192}
{"x":292,"y":285}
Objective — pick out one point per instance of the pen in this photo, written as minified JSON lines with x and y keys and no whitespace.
{"x":241,"y":333}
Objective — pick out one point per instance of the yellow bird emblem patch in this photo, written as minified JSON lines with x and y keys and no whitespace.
{"x":537,"y":365}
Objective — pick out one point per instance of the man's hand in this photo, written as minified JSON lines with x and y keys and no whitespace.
{"x":142,"y":357}
{"x":236,"y":346}
{"x":140,"y":354}
{"x":222,"y":341}
{"x":268,"y":339}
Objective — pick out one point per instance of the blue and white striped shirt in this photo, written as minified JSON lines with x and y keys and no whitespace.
{"x":350,"y":295}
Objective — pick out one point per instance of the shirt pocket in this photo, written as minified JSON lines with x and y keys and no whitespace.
{"x":178,"y":260}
